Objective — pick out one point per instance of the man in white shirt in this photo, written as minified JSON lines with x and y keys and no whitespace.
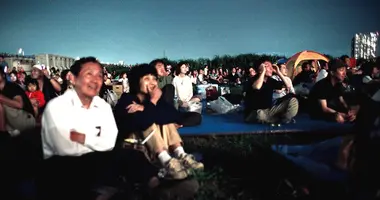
{"x":78,"y":132}
{"x":69,"y":129}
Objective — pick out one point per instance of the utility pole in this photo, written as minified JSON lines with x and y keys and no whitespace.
{"x":164,"y":53}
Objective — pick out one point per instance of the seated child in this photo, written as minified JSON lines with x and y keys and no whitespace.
{"x":36,"y":97}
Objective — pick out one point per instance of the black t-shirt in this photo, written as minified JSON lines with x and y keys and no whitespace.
{"x":11,"y":90}
{"x":324,"y":90}
{"x":303,"y":77}
{"x":233,"y":77}
{"x":262,"y":98}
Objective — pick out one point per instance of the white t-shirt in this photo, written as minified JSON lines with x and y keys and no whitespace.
{"x":183,"y":88}
{"x":125,"y":84}
{"x":276,"y":94}
{"x":321,"y":75}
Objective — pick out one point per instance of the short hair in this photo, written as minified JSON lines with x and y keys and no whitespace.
{"x":336,"y":64}
{"x":178,"y":67}
{"x":76,"y":68}
{"x":344,"y":57}
{"x":367,"y":67}
{"x":156,"y":61}
{"x":304,"y":65}
{"x":33,"y":82}
{"x":137,"y":73}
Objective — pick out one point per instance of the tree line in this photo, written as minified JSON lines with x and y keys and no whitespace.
{"x":244,"y":61}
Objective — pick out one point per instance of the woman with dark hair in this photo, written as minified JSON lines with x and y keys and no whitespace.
{"x":65,"y":75}
{"x":145,"y":113}
{"x":183,"y":86}
{"x":16,"y":110}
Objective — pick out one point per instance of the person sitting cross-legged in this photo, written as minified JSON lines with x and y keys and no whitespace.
{"x":259,"y":97}
{"x":144,"y":111}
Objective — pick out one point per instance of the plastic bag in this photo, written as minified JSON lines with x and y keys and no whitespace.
{"x":221,"y":105}
{"x":195,"y":107}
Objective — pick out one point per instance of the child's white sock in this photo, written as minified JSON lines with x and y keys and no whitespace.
{"x":179,"y":151}
{"x":164,"y":157}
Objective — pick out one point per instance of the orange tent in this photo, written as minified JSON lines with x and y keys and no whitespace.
{"x":293,"y":62}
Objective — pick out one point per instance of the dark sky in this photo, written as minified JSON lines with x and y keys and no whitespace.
{"x":140,"y":30}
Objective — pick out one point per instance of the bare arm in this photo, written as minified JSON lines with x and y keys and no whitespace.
{"x":324,"y":107}
{"x":343,"y":102}
{"x":257,"y":84}
{"x":287,"y":84}
{"x":16,"y":102}
{"x":55,"y":84}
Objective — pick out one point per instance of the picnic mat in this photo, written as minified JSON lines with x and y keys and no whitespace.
{"x":233,"y":124}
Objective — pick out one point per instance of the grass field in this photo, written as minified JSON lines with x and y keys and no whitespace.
{"x":244,"y":167}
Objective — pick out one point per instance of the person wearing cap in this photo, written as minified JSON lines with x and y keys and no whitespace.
{"x":326,"y":97}
{"x":145,"y":113}
{"x":48,"y":85}
{"x":16,"y":111}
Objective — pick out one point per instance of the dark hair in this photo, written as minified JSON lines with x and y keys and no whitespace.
{"x":322,"y":63}
{"x":304,"y":65}
{"x":367,"y":68}
{"x":344,"y":57}
{"x":122,"y":73}
{"x":77,"y":66}
{"x":137,"y":73}
{"x":178,"y":67}
{"x":33,"y":82}
{"x":1,"y":56}
{"x":336,"y":64}
{"x":378,"y":61}
{"x":156,"y":61}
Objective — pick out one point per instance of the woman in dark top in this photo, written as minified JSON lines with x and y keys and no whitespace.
{"x":143,"y":111}
{"x":16,"y":110}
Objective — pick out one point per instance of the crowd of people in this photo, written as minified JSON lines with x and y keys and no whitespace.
{"x":81,"y":130}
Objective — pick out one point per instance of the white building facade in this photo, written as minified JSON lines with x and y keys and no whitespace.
{"x":56,"y":61}
{"x":364,"y":45}
{"x":17,"y":62}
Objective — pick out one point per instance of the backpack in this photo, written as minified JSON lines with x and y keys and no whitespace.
{"x":111,"y":97}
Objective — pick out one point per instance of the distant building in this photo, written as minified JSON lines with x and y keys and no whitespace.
{"x":56,"y":61}
{"x":19,"y":61}
{"x":364,"y":45}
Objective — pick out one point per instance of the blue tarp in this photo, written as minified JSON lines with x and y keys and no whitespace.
{"x":234,"y":124}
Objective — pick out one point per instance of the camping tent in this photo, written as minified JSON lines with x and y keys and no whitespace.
{"x":293,"y":62}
